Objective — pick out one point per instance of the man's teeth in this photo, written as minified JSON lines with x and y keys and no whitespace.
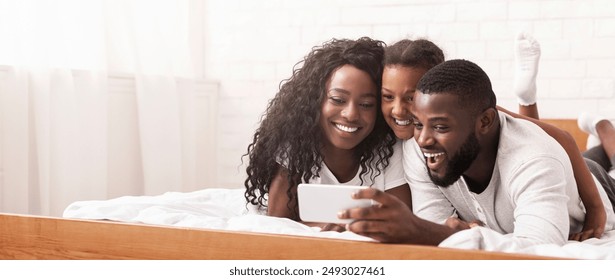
{"x":432,"y":156}
{"x":402,"y":122}
{"x":346,"y":128}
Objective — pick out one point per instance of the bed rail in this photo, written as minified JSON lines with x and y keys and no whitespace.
{"x":34,"y":237}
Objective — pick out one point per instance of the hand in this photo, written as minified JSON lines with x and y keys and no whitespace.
{"x":389,"y":220}
{"x":595,"y":221}
{"x":333,"y":227}
{"x":326,"y":226}
{"x":457,"y":224}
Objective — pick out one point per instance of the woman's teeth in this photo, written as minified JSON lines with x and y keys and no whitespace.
{"x":346,"y":128}
{"x":402,"y":122}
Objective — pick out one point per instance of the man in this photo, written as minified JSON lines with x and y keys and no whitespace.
{"x":470,"y":164}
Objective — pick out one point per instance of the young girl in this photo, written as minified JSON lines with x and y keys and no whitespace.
{"x":324,"y":126}
{"x":407,"y":61}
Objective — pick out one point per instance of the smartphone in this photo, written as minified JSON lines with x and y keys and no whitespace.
{"x":321,"y":203}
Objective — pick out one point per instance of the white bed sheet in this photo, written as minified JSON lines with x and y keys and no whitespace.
{"x":226,"y":209}
{"x":223,"y":209}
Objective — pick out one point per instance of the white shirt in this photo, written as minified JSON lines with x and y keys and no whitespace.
{"x":390,"y":177}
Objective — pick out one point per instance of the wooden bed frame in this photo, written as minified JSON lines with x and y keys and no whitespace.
{"x":33,"y":237}
{"x":570,"y":125}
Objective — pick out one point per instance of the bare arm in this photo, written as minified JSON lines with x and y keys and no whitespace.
{"x":277,"y":202}
{"x":595,"y":218}
{"x":278,"y":206}
{"x":402,"y":193}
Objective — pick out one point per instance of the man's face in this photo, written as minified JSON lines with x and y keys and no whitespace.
{"x":445,"y":132}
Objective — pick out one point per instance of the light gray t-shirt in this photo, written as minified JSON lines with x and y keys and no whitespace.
{"x":532,"y":196}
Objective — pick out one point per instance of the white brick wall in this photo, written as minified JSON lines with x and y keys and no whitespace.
{"x":251,"y":45}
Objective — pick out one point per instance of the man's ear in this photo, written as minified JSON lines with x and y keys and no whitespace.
{"x":486,"y":120}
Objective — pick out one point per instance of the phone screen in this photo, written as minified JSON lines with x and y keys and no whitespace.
{"x":322,"y":203}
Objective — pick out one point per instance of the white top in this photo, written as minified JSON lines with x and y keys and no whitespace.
{"x":532,"y":196}
{"x":390,"y":177}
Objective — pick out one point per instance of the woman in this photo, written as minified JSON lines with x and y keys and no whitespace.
{"x":324,"y":126}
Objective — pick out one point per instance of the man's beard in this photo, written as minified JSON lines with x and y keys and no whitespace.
{"x":459,"y":163}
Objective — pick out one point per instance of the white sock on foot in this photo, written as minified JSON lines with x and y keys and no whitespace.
{"x":527,"y":56}
{"x":587,"y":122}
{"x":592,"y":141}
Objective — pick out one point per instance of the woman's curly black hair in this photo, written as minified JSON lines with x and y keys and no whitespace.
{"x":290,"y":132}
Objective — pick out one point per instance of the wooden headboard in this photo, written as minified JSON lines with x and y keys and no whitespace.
{"x":32,"y":237}
{"x":570,"y":125}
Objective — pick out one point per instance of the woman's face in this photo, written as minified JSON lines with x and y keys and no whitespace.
{"x":348,"y":111}
{"x":398,"y":86}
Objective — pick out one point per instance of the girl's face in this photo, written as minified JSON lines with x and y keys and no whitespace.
{"x":348,"y":111}
{"x":398,"y":86}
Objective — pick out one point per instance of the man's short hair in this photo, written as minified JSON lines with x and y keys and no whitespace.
{"x":462,"y":78}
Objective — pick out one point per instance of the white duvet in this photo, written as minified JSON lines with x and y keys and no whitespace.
{"x":226,"y":209}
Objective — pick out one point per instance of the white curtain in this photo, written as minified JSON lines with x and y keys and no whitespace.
{"x":97,"y":100}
